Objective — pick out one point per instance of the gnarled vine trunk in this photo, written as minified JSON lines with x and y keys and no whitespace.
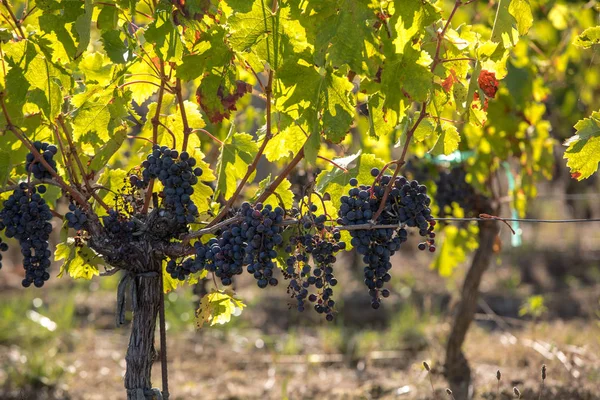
{"x":141,"y":352}
{"x":456,"y":367}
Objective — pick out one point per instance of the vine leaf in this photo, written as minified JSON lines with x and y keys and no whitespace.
{"x":521,"y":11}
{"x":588,"y":38}
{"x":218,"y":307}
{"x":285,"y":142}
{"x":79,"y":262}
{"x":343,"y":31}
{"x":321,"y":98}
{"x":212,"y":52}
{"x":114,"y":46}
{"x":448,"y":141}
{"x":237,"y":153}
{"x":583,"y":151}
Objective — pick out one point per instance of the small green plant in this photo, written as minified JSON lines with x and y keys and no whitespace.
{"x":534,"y":307}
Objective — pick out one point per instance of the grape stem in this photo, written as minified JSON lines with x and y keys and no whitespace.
{"x":251,"y":167}
{"x":333,"y":163}
{"x":186,"y":127}
{"x":210,"y":135}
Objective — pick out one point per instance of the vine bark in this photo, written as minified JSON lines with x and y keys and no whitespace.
{"x":141,"y":352}
{"x":457,"y":369}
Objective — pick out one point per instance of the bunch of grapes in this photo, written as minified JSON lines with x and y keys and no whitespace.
{"x":3,"y":245}
{"x":452,"y":187}
{"x":260,"y":227}
{"x":76,"y":219}
{"x":25,"y":216}
{"x":32,"y":165}
{"x":407,"y":204}
{"x":117,"y":225}
{"x":183,"y":269}
{"x":316,"y":241}
{"x":177,"y":174}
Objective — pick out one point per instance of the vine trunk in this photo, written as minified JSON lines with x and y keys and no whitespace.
{"x":457,"y":369}
{"x":141,"y":352}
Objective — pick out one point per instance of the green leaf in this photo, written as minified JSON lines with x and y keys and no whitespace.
{"x":237,"y":153}
{"x":97,"y":68}
{"x":262,"y":37}
{"x":403,"y":80}
{"x":45,"y":92}
{"x":424,"y":130}
{"x":322,"y":98}
{"x":212,"y":52}
{"x":343,"y":29}
{"x":107,"y":18}
{"x":164,"y":35}
{"x":112,"y":179}
{"x":503,"y":30}
{"x":218,"y":307}
{"x":92,"y":115}
{"x":286,"y":142}
{"x":82,"y":27}
{"x":583,"y":151}
{"x":409,"y":19}
{"x":381,"y":121}
{"x":521,"y":11}
{"x":114,"y":46}
{"x":448,"y":140}
{"x":588,"y":38}
{"x":79,"y":262}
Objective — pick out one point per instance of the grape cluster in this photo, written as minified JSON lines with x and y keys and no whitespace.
{"x":177,"y":174}
{"x":316,"y":241}
{"x":406,"y":204}
{"x":452,"y":187}
{"x":250,"y":242}
{"x":3,"y":245}
{"x":117,"y":225}
{"x":76,"y":219}
{"x":188,"y":266}
{"x":262,"y":232}
{"x":48,"y":151}
{"x":25,"y":216}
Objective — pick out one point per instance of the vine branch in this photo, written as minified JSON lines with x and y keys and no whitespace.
{"x":186,"y":127}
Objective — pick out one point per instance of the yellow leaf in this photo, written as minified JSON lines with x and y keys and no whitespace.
{"x":217,"y":308}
